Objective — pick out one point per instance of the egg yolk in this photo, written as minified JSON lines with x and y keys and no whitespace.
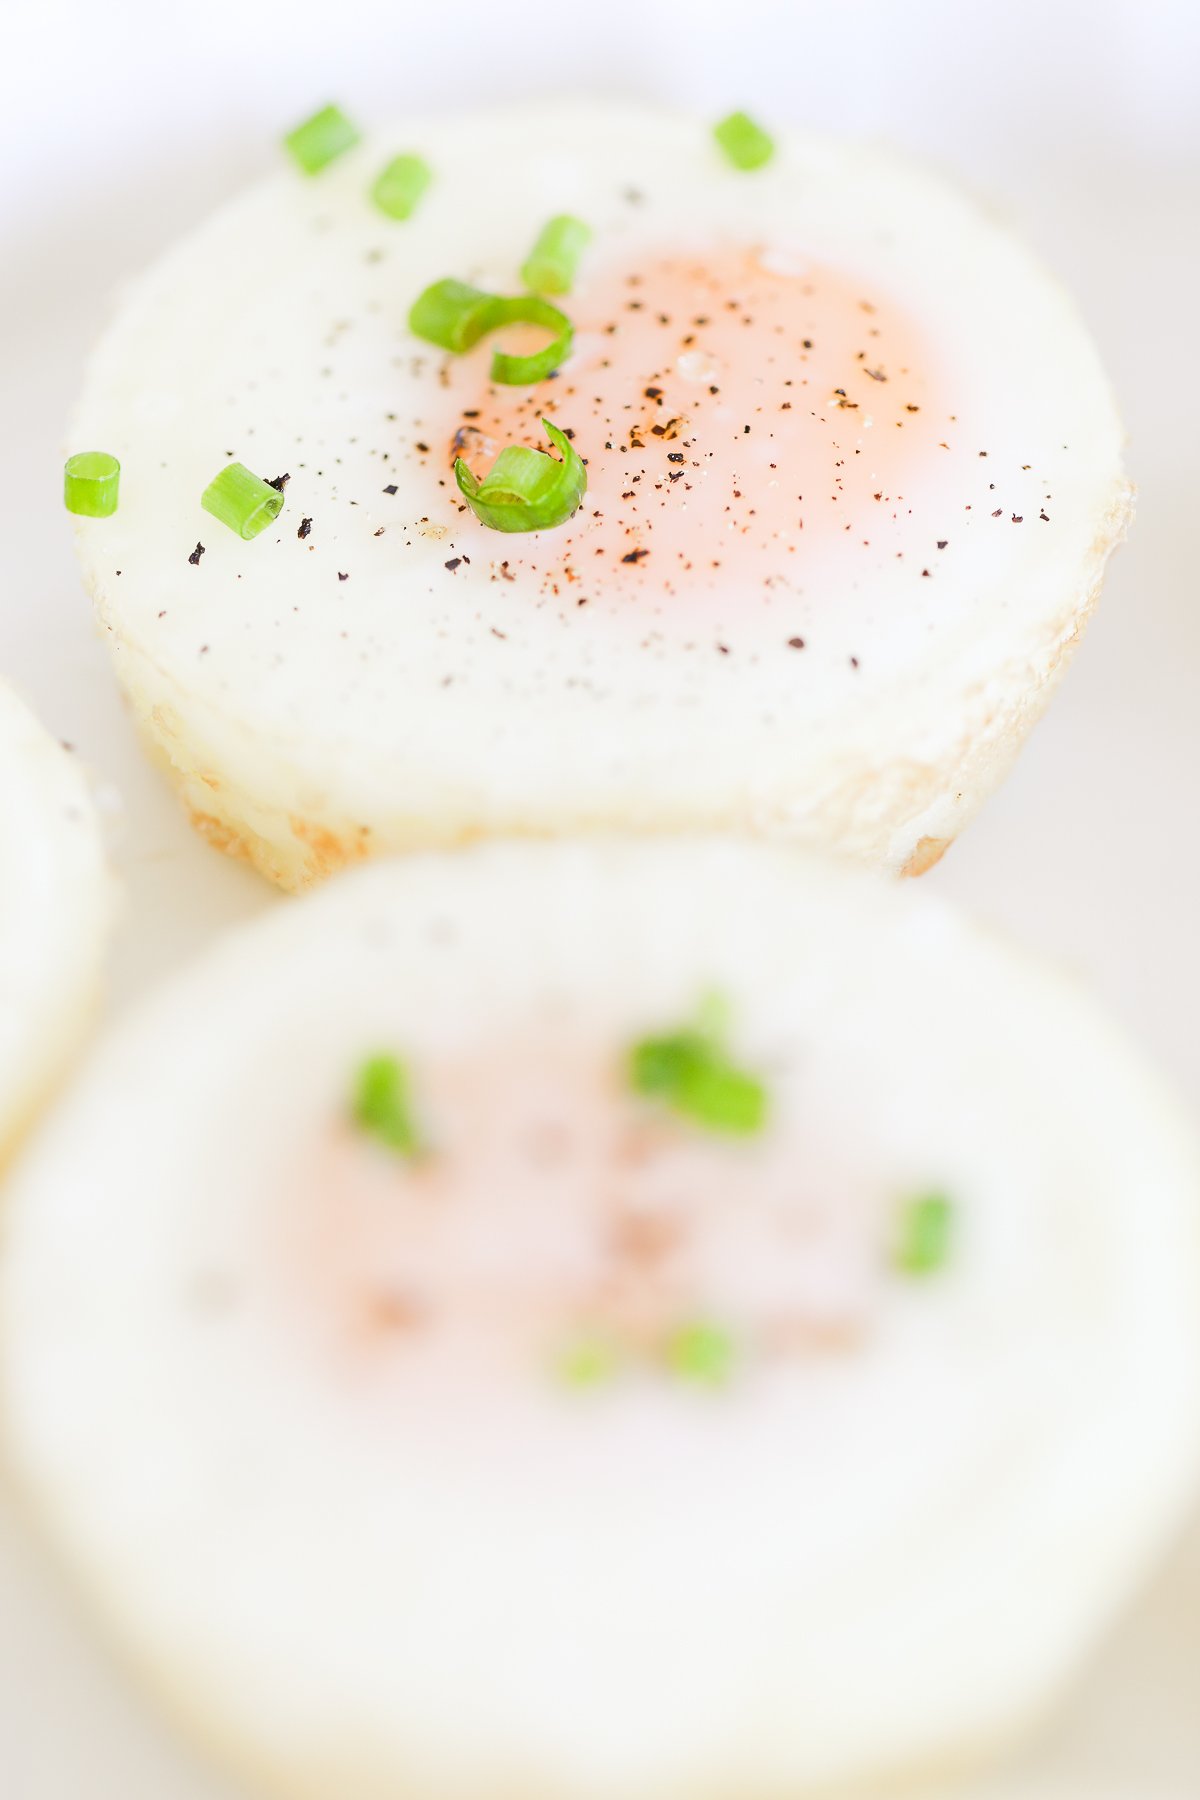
{"x":737,"y":416}
{"x":551,"y":1207}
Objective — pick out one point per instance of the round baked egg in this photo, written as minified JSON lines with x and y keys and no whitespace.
{"x":503,"y":1325}
{"x":56,"y":906}
{"x":853,"y":472}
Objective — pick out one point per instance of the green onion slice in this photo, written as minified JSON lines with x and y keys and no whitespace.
{"x":551,"y":264}
{"x":242,"y":500}
{"x":91,"y":480}
{"x":925,"y":1234}
{"x":452,"y":315}
{"x":525,"y":489}
{"x":746,"y":144}
{"x":400,"y":186}
{"x":588,"y":1361}
{"x":701,"y":1352}
{"x":455,"y":316}
{"x":527,"y":309}
{"x":691,"y":1072}
{"x":327,"y":134}
{"x":382,"y":1104}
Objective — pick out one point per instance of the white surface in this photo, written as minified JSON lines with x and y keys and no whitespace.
{"x":127,"y":124}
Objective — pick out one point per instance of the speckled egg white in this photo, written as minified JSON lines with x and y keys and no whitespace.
{"x":854,"y":472}
{"x":56,"y":903}
{"x":310,"y":1419}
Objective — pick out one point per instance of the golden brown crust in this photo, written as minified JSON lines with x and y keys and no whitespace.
{"x":929,"y":850}
{"x":219,"y":834}
{"x":330,"y":850}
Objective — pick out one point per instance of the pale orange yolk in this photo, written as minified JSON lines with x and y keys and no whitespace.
{"x":737,"y":416}
{"x":552,"y":1203}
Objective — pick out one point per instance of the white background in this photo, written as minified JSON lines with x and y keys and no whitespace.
{"x":122,"y":122}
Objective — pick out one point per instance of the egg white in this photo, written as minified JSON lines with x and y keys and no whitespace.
{"x":309,"y":720}
{"x":56,"y":904}
{"x":854,"y":1565}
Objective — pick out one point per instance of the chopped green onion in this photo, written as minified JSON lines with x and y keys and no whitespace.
{"x":925,"y":1234}
{"x":551,"y":264}
{"x":589,"y":1362}
{"x":660,"y":1065}
{"x":714,"y":1015}
{"x":315,"y":143}
{"x":242,"y":500}
{"x":525,"y":489}
{"x":692,"y":1073}
{"x":746,"y":144}
{"x":452,"y":314}
{"x":90,"y":483}
{"x":382,"y":1105}
{"x":527,"y":309}
{"x":399,"y":187}
{"x":702,"y":1353}
{"x":455,"y":316}
{"x":722,"y":1098}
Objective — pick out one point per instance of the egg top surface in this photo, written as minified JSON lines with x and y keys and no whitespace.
{"x":846,"y":445}
{"x":630,"y":1437}
{"x":55,"y":906}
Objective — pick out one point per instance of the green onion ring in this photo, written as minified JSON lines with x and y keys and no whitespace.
{"x":315,"y":143}
{"x":454,"y":315}
{"x":746,"y":145}
{"x":551,"y":264}
{"x":398,"y":188}
{"x":525,"y":489}
{"x":91,"y":480}
{"x":528,"y":309}
{"x":242,"y":500}
{"x":382,"y":1104}
{"x":925,"y":1239}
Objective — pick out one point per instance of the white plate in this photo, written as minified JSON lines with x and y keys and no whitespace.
{"x":129,"y":122}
